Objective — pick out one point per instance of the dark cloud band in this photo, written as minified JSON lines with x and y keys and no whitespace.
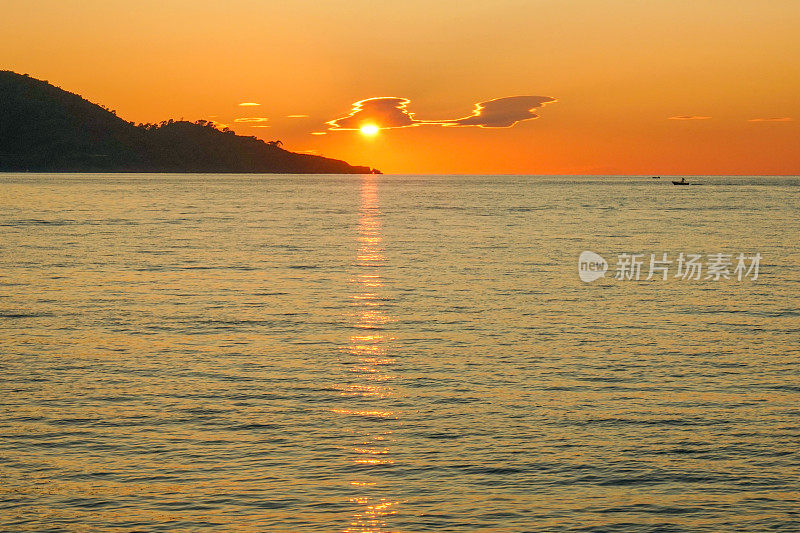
{"x":689,"y":117}
{"x":502,"y":112}
{"x":392,"y":112}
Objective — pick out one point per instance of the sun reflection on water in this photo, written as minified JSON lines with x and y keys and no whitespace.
{"x":368,"y":358}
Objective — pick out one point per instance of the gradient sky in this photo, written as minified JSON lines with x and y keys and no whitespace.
{"x":642,"y":87}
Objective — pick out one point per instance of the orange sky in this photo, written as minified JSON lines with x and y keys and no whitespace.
{"x":619,"y":70}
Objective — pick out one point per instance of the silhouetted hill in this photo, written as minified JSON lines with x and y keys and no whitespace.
{"x":46,"y":129}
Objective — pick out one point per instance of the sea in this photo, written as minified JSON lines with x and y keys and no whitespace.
{"x":387,"y":353}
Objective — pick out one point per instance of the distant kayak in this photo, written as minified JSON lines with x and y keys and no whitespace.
{"x":656,"y":177}
{"x":682,"y":182}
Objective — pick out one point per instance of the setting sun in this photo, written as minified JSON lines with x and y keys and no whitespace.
{"x":369,"y":130}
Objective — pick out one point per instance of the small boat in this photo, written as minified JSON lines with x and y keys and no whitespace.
{"x":656,"y":177}
{"x":682,"y":182}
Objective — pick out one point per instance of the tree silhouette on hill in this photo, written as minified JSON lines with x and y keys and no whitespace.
{"x":44,"y":128}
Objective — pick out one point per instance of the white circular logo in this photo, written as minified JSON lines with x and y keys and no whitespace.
{"x":591,"y":266}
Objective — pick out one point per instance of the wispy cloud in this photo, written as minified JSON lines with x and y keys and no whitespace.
{"x":318,"y":133}
{"x":392,"y":112}
{"x":773,"y":119}
{"x":251,"y":119}
{"x":689,"y":117}
{"x":248,"y":104}
{"x":296,"y":116}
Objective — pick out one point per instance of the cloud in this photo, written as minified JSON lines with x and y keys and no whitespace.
{"x":502,"y":112}
{"x":383,"y":111}
{"x":319,"y":133}
{"x":296,"y":116}
{"x":689,"y":117}
{"x":248,"y":104}
{"x":251,"y":119}
{"x":774,"y":119}
{"x":392,"y":112}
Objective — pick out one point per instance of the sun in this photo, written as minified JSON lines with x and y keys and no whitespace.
{"x":369,"y":130}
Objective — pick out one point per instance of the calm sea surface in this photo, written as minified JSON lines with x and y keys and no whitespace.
{"x":395,"y":354}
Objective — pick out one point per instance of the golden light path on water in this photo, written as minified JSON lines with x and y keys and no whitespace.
{"x":368,"y":355}
{"x":376,"y":354}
